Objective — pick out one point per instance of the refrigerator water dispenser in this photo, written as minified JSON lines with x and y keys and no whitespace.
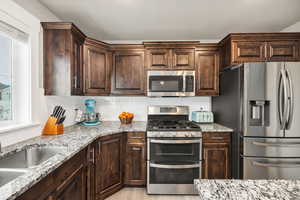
{"x":259,"y":113}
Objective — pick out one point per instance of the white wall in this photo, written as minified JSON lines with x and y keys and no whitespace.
{"x":30,"y":15}
{"x":293,"y":28}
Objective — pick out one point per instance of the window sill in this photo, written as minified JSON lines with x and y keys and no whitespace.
{"x":18,"y":127}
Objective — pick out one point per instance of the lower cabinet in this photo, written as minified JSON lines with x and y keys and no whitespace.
{"x":135,"y":159}
{"x":109,"y":165}
{"x":216,"y":156}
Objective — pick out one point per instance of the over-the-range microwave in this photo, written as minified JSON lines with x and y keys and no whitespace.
{"x":170,"y":83}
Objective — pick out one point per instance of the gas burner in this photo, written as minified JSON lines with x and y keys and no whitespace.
{"x":169,"y":125}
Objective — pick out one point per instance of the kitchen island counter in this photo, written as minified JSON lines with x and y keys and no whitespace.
{"x":248,"y":189}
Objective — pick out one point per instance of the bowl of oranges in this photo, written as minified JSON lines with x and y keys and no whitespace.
{"x":126,"y":117}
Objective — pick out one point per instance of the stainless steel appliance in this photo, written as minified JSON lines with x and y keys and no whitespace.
{"x":174,"y":151}
{"x":259,"y":101}
{"x":171,"y":83}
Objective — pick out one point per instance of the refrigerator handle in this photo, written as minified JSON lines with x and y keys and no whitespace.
{"x":283,"y":101}
{"x":290,"y":100}
{"x":279,"y":98}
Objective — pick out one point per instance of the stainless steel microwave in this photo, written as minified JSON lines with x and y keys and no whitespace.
{"x":171,"y":83}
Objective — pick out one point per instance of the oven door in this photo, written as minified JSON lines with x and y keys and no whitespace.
{"x":168,"y":150}
{"x":172,"y":179}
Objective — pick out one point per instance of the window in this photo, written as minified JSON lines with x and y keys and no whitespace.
{"x":14,"y":76}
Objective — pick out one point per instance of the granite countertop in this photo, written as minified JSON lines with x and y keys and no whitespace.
{"x":73,"y":140}
{"x":248,"y":189}
{"x":214,"y":127}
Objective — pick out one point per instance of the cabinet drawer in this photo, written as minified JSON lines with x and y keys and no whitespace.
{"x":63,"y":172}
{"x":136,"y":137}
{"x":216,"y":137}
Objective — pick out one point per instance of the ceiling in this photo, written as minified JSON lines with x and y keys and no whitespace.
{"x":174,"y":19}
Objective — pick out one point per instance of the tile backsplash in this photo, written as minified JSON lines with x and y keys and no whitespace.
{"x":110,"y":107}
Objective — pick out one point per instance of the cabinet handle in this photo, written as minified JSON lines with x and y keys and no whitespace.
{"x":136,"y":148}
{"x":99,"y":147}
{"x":217,"y":138}
{"x":92,"y":156}
{"x":75,"y":81}
{"x":136,"y":137}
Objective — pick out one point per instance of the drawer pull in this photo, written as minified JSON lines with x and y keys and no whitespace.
{"x":136,"y":148}
{"x":217,"y":138}
{"x":136,"y":137}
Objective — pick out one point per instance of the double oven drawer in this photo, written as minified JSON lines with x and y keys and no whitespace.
{"x":172,"y":151}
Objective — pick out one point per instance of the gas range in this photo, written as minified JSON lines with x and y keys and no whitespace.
{"x":174,"y":146}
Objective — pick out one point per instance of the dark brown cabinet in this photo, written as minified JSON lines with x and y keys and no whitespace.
{"x":97,"y":68}
{"x":207,"y":72}
{"x":216,"y":156}
{"x":63,"y":59}
{"x":109,"y":165}
{"x":178,"y":55}
{"x":135,"y":159}
{"x":128,"y":75}
{"x":283,"y":50}
{"x":260,"y":47}
{"x":183,"y":59}
{"x":158,"y":59}
{"x":74,"y":187}
{"x":248,"y":51}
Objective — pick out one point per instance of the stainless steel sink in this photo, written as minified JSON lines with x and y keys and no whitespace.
{"x":29,"y":157}
{"x":9,"y":175}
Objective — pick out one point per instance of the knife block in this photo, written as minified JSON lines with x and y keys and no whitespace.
{"x":51,"y":128}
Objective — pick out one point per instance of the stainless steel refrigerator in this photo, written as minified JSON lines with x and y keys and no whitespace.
{"x":261,"y":101}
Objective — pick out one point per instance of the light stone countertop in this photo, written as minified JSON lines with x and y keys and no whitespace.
{"x":214,"y":127}
{"x":248,"y":189}
{"x":74,"y":140}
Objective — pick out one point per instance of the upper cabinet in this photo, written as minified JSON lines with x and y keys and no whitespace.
{"x":97,"y":68}
{"x":207,"y":70}
{"x":260,"y":47}
{"x":63,"y":59}
{"x":170,"y":55}
{"x":158,"y":59}
{"x":128,"y":75}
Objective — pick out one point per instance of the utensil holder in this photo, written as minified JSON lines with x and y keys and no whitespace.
{"x":51,"y":128}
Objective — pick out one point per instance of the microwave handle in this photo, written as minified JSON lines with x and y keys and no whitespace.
{"x":184,"y":84}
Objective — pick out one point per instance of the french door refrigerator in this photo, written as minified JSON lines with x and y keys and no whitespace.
{"x":261,"y":101}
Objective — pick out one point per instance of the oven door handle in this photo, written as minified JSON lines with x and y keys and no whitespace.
{"x":175,"y":166}
{"x":278,"y":165}
{"x":175,"y":141}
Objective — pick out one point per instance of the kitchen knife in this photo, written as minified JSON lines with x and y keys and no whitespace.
{"x":54,"y":111}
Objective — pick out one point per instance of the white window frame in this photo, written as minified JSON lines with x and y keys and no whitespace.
{"x":20,"y":87}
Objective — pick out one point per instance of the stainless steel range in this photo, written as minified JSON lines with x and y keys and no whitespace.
{"x":174,"y":151}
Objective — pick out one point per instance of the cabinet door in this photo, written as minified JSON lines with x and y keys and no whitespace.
{"x":248,"y":52}
{"x":135,"y":164}
{"x":77,"y":66}
{"x":96,"y":70}
{"x":216,"y":161}
{"x":283,"y":51}
{"x":183,"y":59}
{"x":159,"y":59}
{"x":128,"y":73}
{"x":74,"y":187}
{"x":91,"y":170}
{"x":109,"y":165}
{"x":207,"y":69}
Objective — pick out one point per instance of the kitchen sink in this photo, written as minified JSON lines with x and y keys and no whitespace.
{"x":9,"y":175}
{"x":29,"y":157}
